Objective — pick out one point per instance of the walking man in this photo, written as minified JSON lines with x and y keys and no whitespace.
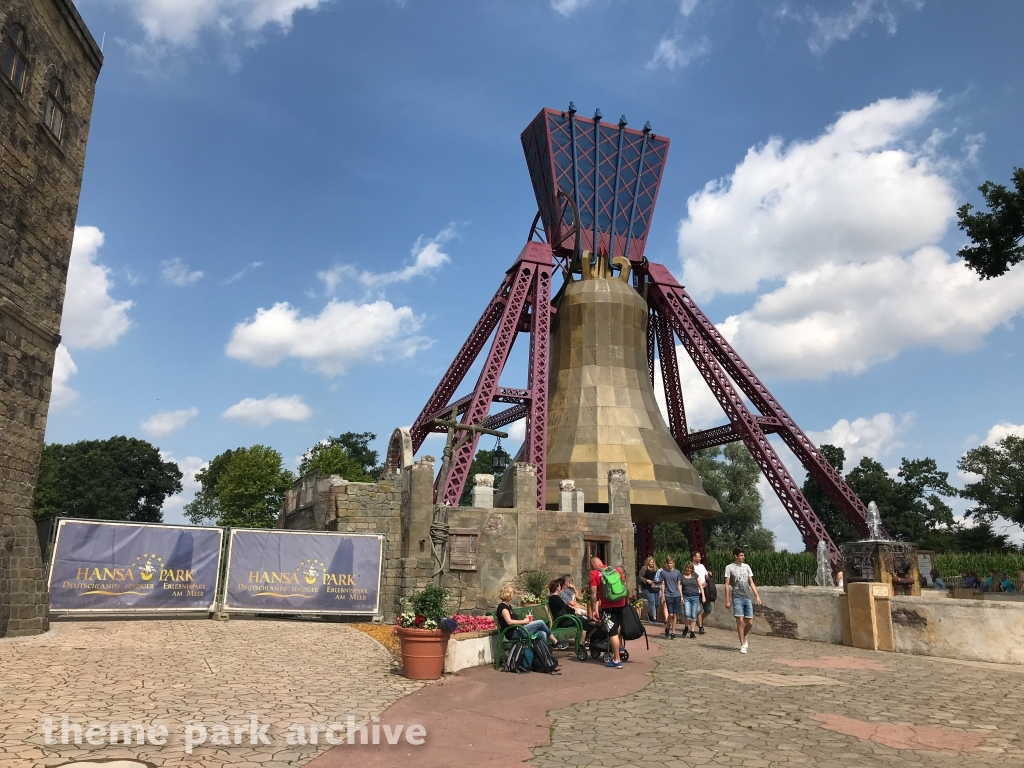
{"x":702,"y":576}
{"x":605,"y":584}
{"x":739,"y":583}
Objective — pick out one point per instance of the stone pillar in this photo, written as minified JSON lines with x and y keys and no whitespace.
{"x":566,"y":496}
{"x":418,"y":510}
{"x":619,"y":507}
{"x":524,"y":486}
{"x":483,"y":491}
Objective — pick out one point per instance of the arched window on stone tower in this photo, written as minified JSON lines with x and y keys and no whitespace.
{"x":15,"y":56}
{"x":53,"y":116}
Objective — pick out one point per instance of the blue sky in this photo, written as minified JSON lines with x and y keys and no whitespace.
{"x":293,"y":211}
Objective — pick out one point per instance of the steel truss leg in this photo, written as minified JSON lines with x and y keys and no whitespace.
{"x":672,"y":302}
{"x":526,"y":285}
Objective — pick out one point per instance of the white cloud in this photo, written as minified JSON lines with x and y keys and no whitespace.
{"x":840,"y":27}
{"x":272,"y":408}
{"x":568,"y":7}
{"x":849,"y":195}
{"x":251,"y":266}
{"x":92,"y":319}
{"x":686,"y":7}
{"x":179,"y":22}
{"x":343,"y":334}
{"x":64,"y":368}
{"x":1001,"y":430}
{"x":426,"y":256}
{"x":875,"y":437}
{"x":176,"y":272}
{"x":847,"y":318}
{"x":849,"y":223}
{"x":672,"y":54}
{"x":173,"y":507}
{"x":165,"y":422}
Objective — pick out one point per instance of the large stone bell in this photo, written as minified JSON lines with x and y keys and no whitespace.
{"x":602,"y":413}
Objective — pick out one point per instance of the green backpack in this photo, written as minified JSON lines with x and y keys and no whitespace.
{"x":613,"y":588}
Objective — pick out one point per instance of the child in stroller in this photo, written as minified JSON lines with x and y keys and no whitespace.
{"x":595,"y":636}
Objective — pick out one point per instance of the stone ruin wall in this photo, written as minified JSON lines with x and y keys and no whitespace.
{"x":508,"y":541}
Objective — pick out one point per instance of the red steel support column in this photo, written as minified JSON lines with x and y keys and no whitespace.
{"x":645,"y":542}
{"x":695,"y":535}
{"x":830,"y":480}
{"x":667,"y":297}
{"x":536,"y":441}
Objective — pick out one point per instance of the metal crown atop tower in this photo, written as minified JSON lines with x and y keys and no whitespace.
{"x":606,"y":172}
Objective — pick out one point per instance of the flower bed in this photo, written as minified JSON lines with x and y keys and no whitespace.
{"x":473,"y":623}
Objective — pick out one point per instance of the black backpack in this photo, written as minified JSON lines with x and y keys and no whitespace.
{"x":632,"y":629}
{"x":710,"y":590}
{"x":543,"y":661}
{"x":513,"y":657}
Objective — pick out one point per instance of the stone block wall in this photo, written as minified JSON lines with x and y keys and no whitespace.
{"x":507,"y":541}
{"x":40,"y":180}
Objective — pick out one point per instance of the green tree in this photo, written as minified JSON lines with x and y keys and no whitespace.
{"x":121,"y":478}
{"x":481,"y":466}
{"x":349,"y":455}
{"x":205,"y":507}
{"x":997,"y":235}
{"x":911,"y":505}
{"x":242,"y":488}
{"x":835,"y":522}
{"x":731,"y":476}
{"x":1000,"y":491}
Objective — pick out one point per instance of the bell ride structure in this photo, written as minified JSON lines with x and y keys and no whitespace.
{"x":589,"y":401}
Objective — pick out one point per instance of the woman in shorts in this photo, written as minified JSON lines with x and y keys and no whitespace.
{"x":693,"y":597}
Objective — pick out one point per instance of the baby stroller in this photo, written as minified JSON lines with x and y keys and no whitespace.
{"x":598,"y":640}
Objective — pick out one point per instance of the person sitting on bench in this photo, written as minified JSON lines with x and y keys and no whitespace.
{"x":506,"y":619}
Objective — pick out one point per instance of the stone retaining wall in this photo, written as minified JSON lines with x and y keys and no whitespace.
{"x":929,"y":625}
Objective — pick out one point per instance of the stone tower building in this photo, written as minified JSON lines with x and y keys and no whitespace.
{"x":49,"y":63}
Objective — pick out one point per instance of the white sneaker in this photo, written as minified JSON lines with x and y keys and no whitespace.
{"x":744,"y":646}
{"x":743,"y":649}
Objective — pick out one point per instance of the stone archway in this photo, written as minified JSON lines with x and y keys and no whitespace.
{"x":400,"y":453}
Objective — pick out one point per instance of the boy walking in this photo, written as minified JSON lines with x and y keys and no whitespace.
{"x":671,"y":595}
{"x":739,"y":583}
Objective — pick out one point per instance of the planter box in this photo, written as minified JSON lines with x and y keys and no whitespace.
{"x":470,"y":649}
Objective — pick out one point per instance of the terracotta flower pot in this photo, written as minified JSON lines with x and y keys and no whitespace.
{"x":423,"y":652}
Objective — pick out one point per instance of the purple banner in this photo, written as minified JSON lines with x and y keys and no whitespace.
{"x":300,"y":572}
{"x":115,"y":567}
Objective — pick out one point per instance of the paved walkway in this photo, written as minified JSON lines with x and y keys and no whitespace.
{"x":791,"y":702}
{"x":178,"y":673}
{"x":698,"y":703}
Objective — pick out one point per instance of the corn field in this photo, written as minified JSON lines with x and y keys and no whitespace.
{"x":774,"y":569}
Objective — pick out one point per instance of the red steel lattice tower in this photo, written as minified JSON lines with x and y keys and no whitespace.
{"x":596,"y":186}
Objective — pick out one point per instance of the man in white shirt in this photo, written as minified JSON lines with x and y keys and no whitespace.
{"x":701,"y":572}
{"x":739,"y":583}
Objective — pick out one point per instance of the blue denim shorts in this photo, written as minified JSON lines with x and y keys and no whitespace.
{"x":672,"y":605}
{"x":692,"y":607}
{"x":742,"y":607}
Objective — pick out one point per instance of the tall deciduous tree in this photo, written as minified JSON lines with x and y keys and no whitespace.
{"x":122,"y":478}
{"x":998,"y":235}
{"x":348,"y":455}
{"x":911,"y":505}
{"x":241,"y":487}
{"x":835,"y":522}
{"x":1000,"y":491}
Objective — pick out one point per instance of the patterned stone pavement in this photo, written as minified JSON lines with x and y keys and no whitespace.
{"x":177,"y":673}
{"x":791,"y":702}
